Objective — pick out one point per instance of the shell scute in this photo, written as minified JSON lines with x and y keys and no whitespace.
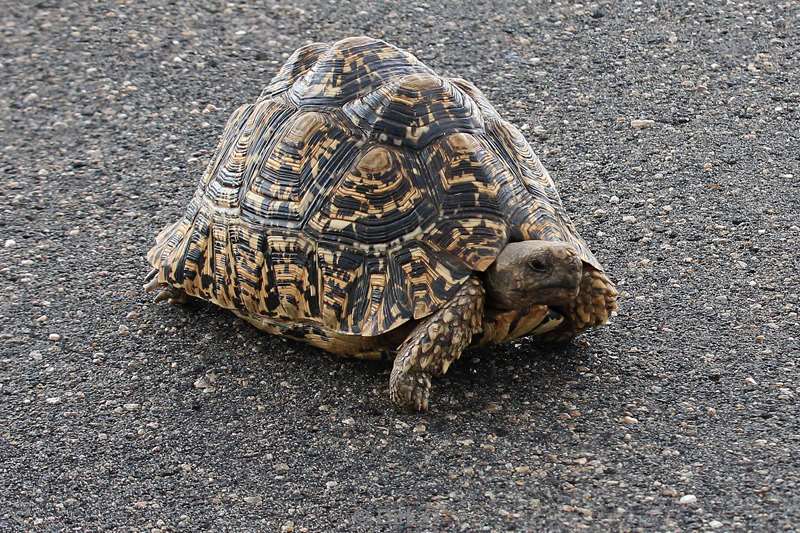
{"x":289,"y":278}
{"x":294,"y":68}
{"x":487,"y":109}
{"x":298,"y":171}
{"x":473,"y":188}
{"x":413,"y":110}
{"x":377,"y":202}
{"x":431,"y":277}
{"x":351,"y":68}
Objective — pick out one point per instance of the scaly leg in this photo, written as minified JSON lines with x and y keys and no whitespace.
{"x":434,"y":344}
{"x":596,"y":302}
{"x":173,"y":295}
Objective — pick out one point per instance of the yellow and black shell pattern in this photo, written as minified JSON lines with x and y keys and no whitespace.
{"x":358,"y":193}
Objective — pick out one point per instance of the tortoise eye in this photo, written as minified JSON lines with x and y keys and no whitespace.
{"x":538,"y":265}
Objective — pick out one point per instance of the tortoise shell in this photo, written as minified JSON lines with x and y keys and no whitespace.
{"x":359,"y":192}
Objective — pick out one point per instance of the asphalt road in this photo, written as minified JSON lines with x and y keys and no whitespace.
{"x":119,"y":414}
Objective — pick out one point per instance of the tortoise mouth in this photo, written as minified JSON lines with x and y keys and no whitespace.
{"x":551,"y":321}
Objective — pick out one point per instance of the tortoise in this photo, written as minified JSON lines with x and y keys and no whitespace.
{"x":372,"y":208}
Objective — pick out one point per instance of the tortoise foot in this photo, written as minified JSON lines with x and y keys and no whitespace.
{"x":173,"y":295}
{"x":151,"y":282}
{"x":410,"y":390}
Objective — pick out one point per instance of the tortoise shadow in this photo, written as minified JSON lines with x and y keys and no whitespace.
{"x":519,"y":373}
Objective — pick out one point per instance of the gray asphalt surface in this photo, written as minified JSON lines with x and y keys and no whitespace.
{"x":119,"y":414}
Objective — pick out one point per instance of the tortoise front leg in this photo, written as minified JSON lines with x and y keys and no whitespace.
{"x":434,"y":344}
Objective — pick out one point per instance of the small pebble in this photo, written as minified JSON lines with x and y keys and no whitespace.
{"x":640,"y":124}
{"x":630,"y":219}
{"x":715,"y":524}
{"x":614,"y":200}
{"x":206,"y":383}
{"x":330,"y":484}
{"x":55,"y":337}
{"x":53,"y":400}
{"x":688,"y":499}
{"x":253,"y":500}
{"x":9,"y":243}
{"x":750,"y":381}
{"x":629,"y":420}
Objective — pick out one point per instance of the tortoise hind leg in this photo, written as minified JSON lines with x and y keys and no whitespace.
{"x":173,"y":295}
{"x":434,"y":344}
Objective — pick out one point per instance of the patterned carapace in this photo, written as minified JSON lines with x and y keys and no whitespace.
{"x":357,"y":194}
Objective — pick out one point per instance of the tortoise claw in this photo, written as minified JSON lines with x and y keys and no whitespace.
{"x":150,"y":275}
{"x":151,"y":281}
{"x":172,"y":295}
{"x":165,"y":294}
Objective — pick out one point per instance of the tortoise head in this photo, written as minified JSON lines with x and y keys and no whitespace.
{"x":534,"y":272}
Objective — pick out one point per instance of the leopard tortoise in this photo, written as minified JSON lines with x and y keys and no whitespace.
{"x":369,"y":207}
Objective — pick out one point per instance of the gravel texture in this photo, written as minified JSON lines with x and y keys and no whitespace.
{"x":672,"y":131}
